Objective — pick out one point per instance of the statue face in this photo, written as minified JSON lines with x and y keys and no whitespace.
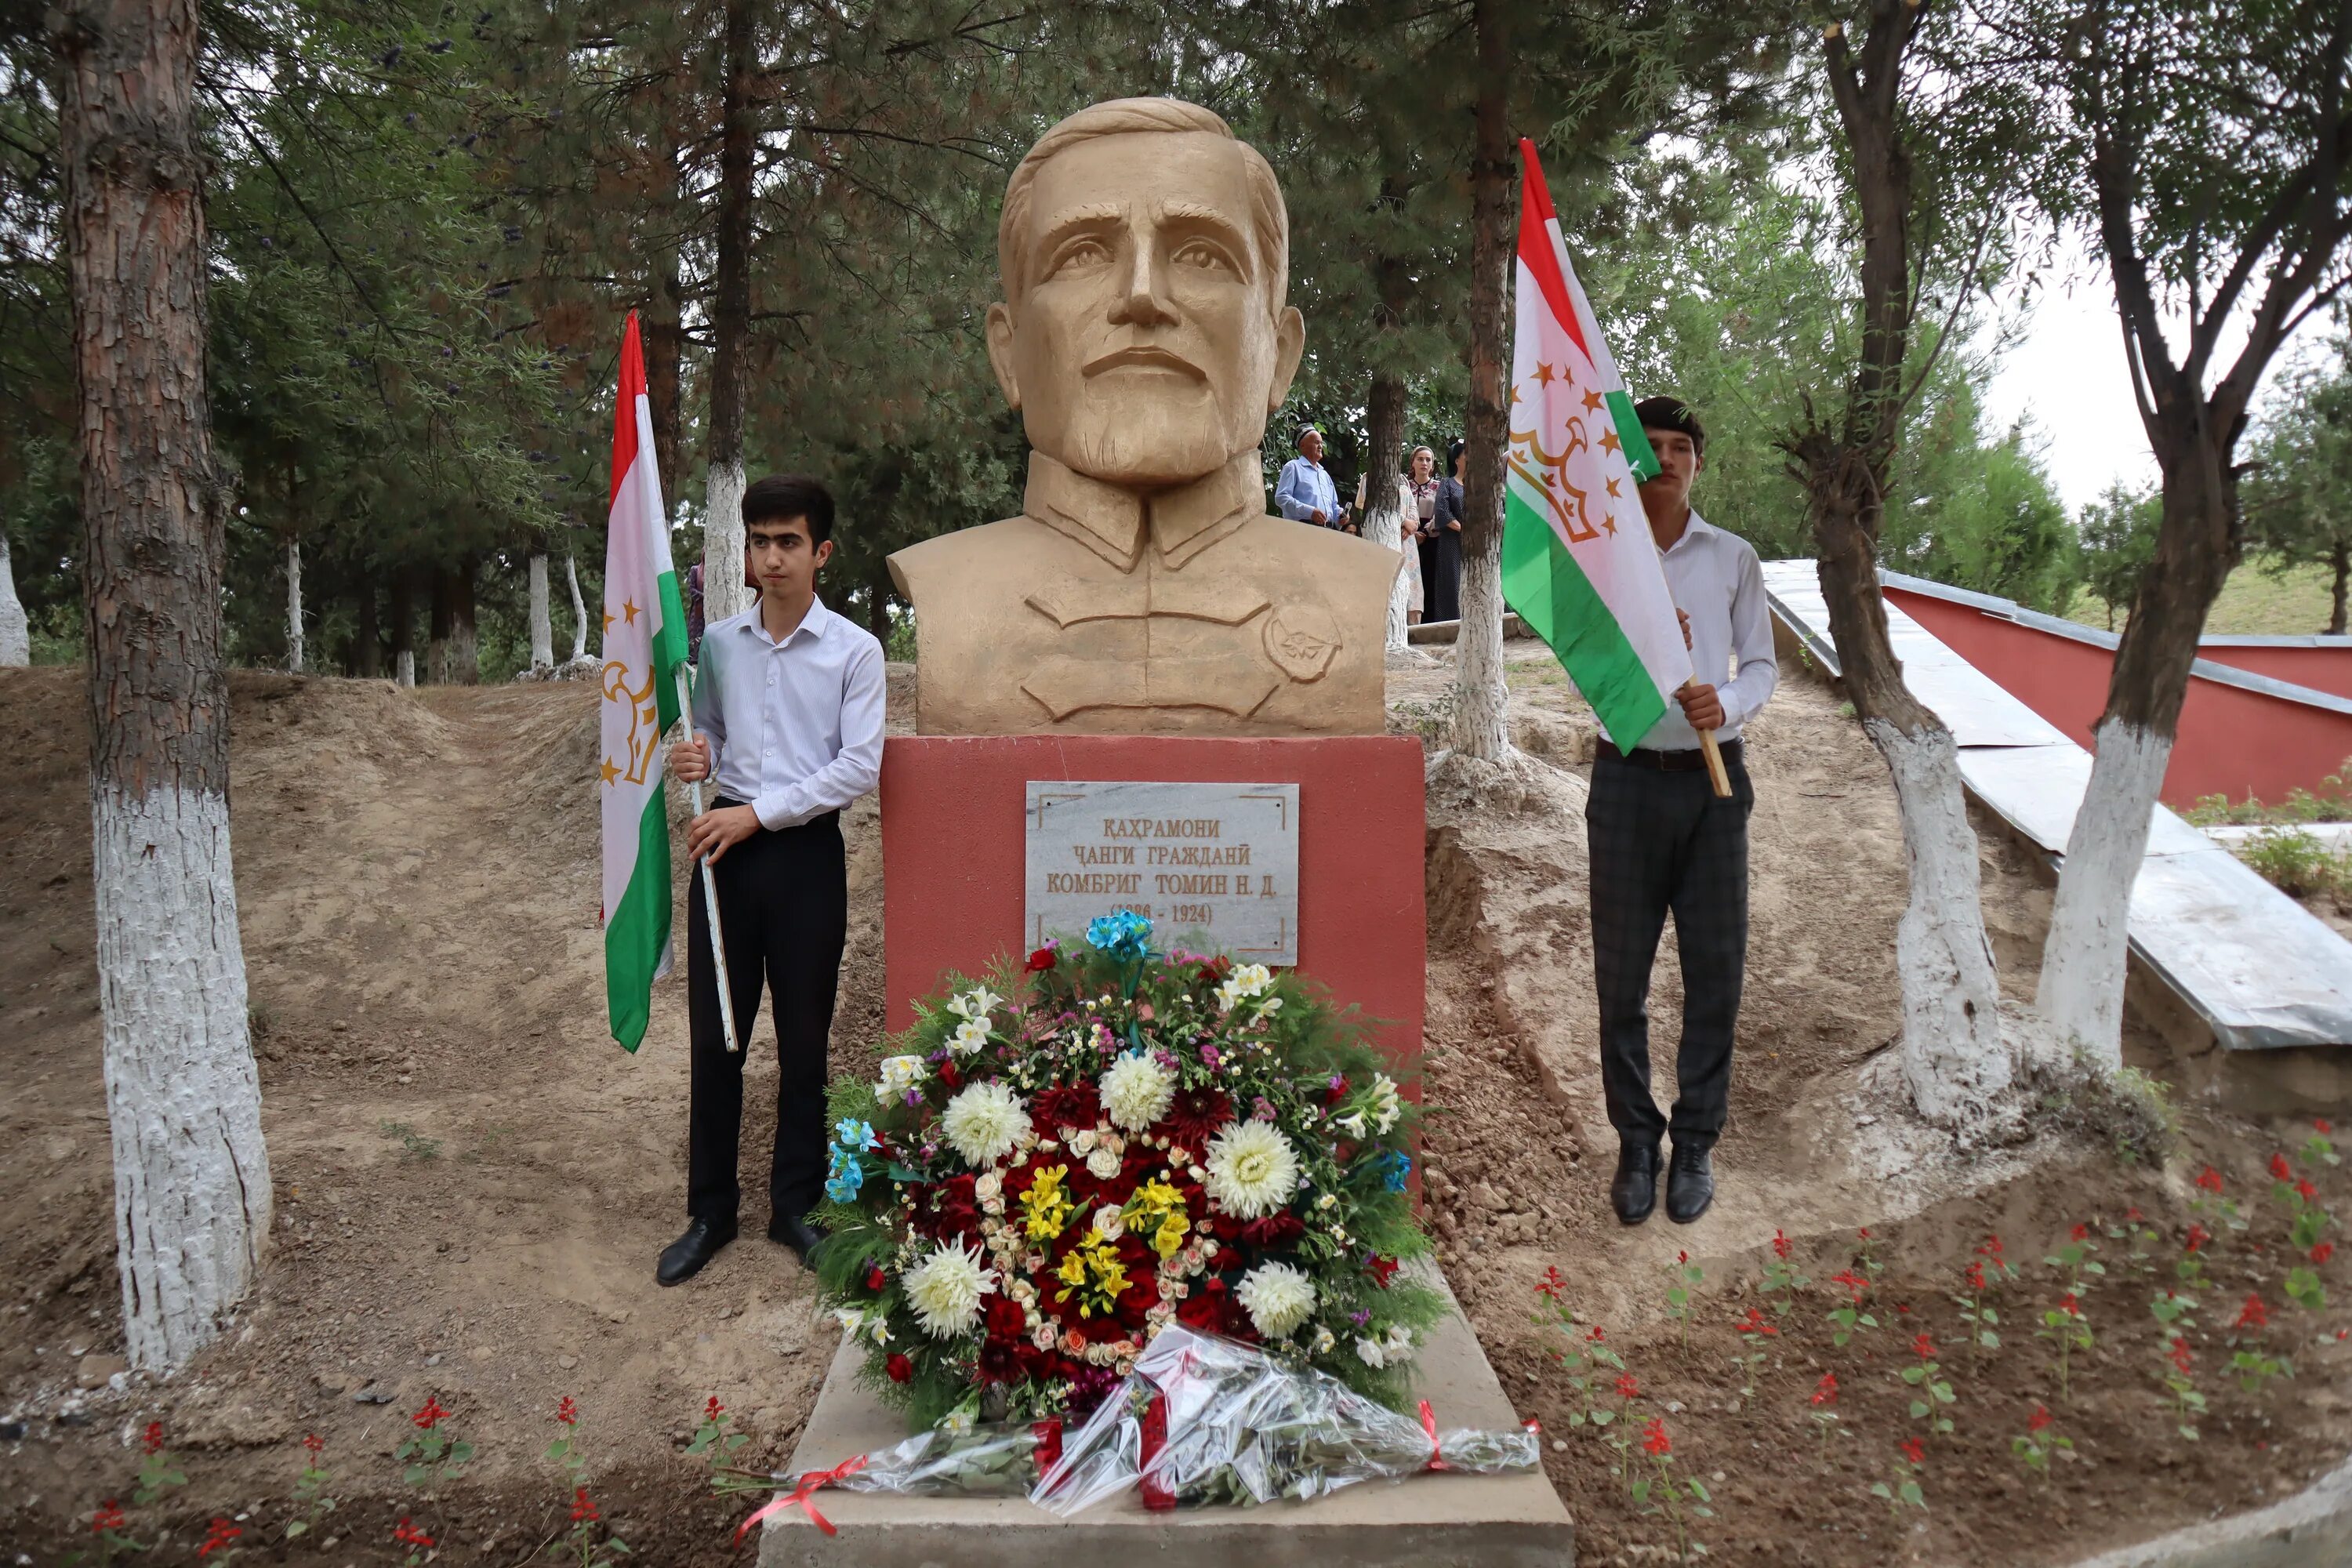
{"x":1142,"y":352}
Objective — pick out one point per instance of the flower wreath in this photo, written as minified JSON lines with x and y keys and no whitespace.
{"x":1034,"y":1188}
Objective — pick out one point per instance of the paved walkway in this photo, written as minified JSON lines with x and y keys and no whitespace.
{"x":2258,"y":968}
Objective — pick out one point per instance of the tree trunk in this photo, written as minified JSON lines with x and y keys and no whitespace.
{"x":404,"y":626}
{"x":663,"y":351}
{"x":878,"y":602}
{"x":1954,"y":1063}
{"x":1480,"y":692}
{"x":16,"y":632}
{"x":192,"y":1196}
{"x":367,"y":645}
{"x":2339,"y":561}
{"x":2084,"y":955}
{"x":294,"y":606}
{"x":436,"y":645}
{"x":1383,"y":523}
{"x":542,"y":634}
{"x":723,"y":591}
{"x":465,"y":662}
{"x":578,"y":609}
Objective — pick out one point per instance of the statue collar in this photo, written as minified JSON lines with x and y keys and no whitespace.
{"x":1110,"y":519}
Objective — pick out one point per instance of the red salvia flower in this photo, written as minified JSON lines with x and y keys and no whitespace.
{"x":1854,"y":1286}
{"x":2210,"y":1179}
{"x":2132,"y":1214}
{"x":2280,"y":1169}
{"x":223,"y":1534}
{"x":581,"y":1508}
{"x":2254,"y":1314}
{"x":711,"y":1409}
{"x":1923,"y":1347}
{"x":1975,"y":1274}
{"x":431,"y":1415}
{"x":2039,"y":1419}
{"x":1915,"y":1450}
{"x":1654,"y":1439}
{"x":409,"y":1535}
{"x":316,"y":1444}
{"x":2320,"y":1124}
{"x":152,"y":1440}
{"x":2323,"y":1252}
{"x":1552,"y":1283}
{"x":1826,"y":1390}
{"x":2198,"y":1237}
{"x":1626,"y":1387}
{"x":1682,"y":1258}
{"x":2180,"y":1356}
{"x":1864,"y":1234}
{"x":2080,"y":1233}
{"x":2069,"y":1305}
{"x":2304,"y":1190}
{"x":1595,"y":1336}
{"x":1780,"y":1245}
{"x":1755,"y":1324}
{"x":1992,"y":1248}
{"x":567,"y":1412}
{"x":109,"y":1515}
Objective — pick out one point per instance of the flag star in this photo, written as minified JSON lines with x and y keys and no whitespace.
{"x":1609,"y":441}
{"x":1514,"y":395}
{"x":1591,"y":400}
{"x":629,"y":612}
{"x":1609,"y":520}
{"x":608,"y":620}
{"x":1543,"y":375}
{"x":609,"y":770}
{"x":1612,"y":487}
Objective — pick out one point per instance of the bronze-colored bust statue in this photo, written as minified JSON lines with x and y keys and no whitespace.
{"x":1144,"y":254}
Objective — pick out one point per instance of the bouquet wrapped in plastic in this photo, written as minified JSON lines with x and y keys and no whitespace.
{"x":1203,"y":1419}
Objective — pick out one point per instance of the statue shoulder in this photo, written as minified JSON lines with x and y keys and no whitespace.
{"x":1328,"y":552}
{"x":945,"y":557}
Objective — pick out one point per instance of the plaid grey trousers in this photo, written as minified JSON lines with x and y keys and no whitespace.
{"x":1660,"y":841}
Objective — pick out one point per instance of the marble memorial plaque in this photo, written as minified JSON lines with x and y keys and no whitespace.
{"x":1216,"y":861}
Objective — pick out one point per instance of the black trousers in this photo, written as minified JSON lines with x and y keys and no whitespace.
{"x":1441,"y":576}
{"x":1660,"y":841}
{"x":783,"y":913}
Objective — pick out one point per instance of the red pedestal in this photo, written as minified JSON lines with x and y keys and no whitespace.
{"x":952,"y":853}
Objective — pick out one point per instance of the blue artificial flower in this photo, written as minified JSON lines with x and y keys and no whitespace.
{"x":1122,"y":934}
{"x":847,"y":1175}
{"x":1399,"y":1167}
{"x":855,"y":1134}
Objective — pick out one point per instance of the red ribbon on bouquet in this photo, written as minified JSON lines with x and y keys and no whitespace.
{"x":1048,"y":1434}
{"x":1156,"y":1495}
{"x":1429,"y":1424}
{"x":799,"y":1498}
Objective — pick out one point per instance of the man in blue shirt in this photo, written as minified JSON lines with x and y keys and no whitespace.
{"x":1305,"y":493}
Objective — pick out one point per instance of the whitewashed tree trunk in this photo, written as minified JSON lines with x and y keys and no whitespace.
{"x":15,"y":632}
{"x":1384,"y":526}
{"x":1954,"y":1059}
{"x":723,"y":593}
{"x":1480,"y":692}
{"x":294,"y":606}
{"x":2083,"y":958}
{"x":404,"y":668}
{"x":191,"y":1197}
{"x":578,"y":609}
{"x":542,"y":634}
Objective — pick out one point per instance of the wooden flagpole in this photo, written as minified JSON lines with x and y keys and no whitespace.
{"x":1715,"y":771}
{"x":710,"y":886}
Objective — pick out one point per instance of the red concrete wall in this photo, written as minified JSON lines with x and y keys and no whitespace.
{"x":953,"y":842}
{"x":2231,"y":741}
{"x":2327,"y":669}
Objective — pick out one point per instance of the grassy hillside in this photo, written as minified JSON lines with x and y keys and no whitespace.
{"x":2254,"y":600}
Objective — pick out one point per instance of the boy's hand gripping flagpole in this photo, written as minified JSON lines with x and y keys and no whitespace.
{"x":1579,"y":562}
{"x":645,"y":692}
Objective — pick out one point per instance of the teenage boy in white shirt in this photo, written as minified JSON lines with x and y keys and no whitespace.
{"x":788,"y":712}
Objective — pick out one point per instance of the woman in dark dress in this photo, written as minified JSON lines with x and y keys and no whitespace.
{"x":1440,"y":571}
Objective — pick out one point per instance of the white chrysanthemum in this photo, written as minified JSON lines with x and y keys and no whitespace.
{"x":982,"y":1122}
{"x":1277,"y":1298}
{"x":1252,"y":1169}
{"x":945,"y":1289}
{"x":970,"y":1036}
{"x":976,"y":1003}
{"x":1136,"y":1093}
{"x":900,"y":1074}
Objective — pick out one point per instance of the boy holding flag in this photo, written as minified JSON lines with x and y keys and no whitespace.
{"x":1666,"y":820}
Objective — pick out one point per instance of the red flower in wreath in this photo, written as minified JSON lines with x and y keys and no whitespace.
{"x":1272,"y":1233}
{"x":900,"y":1367}
{"x":1074,"y":1105}
{"x":1194,"y":1117}
{"x":1381,"y":1269}
{"x":875,"y":1278}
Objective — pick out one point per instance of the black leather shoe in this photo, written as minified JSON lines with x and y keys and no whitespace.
{"x":683,"y":1260}
{"x":796,"y":1233}
{"x":1634,"y":1193}
{"x":1690,"y":1182}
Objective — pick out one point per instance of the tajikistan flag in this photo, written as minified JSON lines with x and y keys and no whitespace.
{"x":1579,"y":564}
{"x":645,"y":644}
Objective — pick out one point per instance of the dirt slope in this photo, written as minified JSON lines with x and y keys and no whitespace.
{"x":473,"y":1182}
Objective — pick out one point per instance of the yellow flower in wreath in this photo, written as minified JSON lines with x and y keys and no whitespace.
{"x":1094,"y":1274}
{"x":1045,"y":1206}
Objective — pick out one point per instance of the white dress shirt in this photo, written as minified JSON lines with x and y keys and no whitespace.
{"x":796,"y":726}
{"x":1716,"y":579}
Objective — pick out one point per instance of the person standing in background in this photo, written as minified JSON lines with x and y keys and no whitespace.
{"x":1305,"y":493}
{"x":1440,"y":573}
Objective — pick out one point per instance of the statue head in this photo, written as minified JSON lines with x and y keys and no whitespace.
{"x":1144,"y":254}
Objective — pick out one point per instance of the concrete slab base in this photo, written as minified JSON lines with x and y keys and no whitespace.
{"x":1427,"y":1522}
